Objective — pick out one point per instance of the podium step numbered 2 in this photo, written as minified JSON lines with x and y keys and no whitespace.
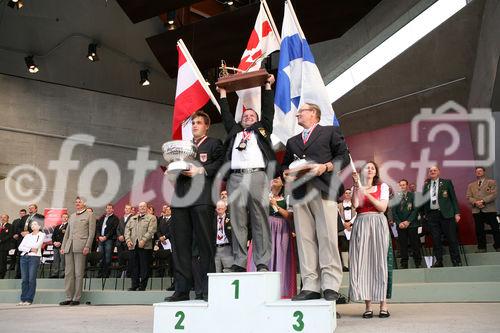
{"x":245,"y":303}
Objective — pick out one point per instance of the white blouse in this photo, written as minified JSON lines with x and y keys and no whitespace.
{"x":31,"y":241}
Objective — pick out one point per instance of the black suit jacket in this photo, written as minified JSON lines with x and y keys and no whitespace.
{"x":58,"y":234}
{"x":262,"y":129}
{"x":111,"y":225}
{"x":120,"y":230}
{"x":20,"y":226}
{"x":210,"y":155}
{"x":6,"y":237}
{"x":164,"y":226}
{"x":325,"y":144}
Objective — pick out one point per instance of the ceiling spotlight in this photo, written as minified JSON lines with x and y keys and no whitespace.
{"x":171,"y":17}
{"x":92,"y":54}
{"x":144,"y":78}
{"x":229,"y":3}
{"x":17,"y":4}
{"x":30,"y":63}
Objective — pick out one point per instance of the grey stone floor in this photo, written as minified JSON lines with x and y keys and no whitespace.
{"x":405,"y":318}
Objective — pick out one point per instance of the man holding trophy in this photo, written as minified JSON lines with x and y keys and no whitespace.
{"x":250,"y":154}
{"x":193,"y":210}
{"x":312,"y":160}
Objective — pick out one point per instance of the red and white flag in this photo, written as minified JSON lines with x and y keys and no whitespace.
{"x":263,"y":41}
{"x":191,"y":95}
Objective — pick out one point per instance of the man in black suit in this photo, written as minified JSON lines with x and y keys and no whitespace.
{"x":121,"y":245}
{"x":24,"y":228}
{"x":5,"y":243}
{"x":252,"y":163}
{"x":193,"y":210}
{"x":16,"y":225}
{"x":106,"y":237}
{"x":223,"y":254}
{"x":57,"y":239}
{"x":164,"y":235}
{"x":314,"y":201}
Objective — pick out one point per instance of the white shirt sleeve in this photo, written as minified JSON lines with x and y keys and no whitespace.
{"x":384,"y":191}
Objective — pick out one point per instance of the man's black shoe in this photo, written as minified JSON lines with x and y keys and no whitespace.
{"x":132,"y":289}
{"x":171,"y":288}
{"x":198,"y":296}
{"x":305,"y":295}
{"x":338,"y":315}
{"x":177,"y":297}
{"x":418,"y":265}
{"x":237,"y":269}
{"x":65,"y":302}
{"x":205,"y":297}
{"x":330,"y":295}
{"x":457,"y":264}
{"x":74,"y":303}
{"x":438,"y":264}
{"x":142,"y":289}
{"x":262,"y":268}
{"x":404,"y":265}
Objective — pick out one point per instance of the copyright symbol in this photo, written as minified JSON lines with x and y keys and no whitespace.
{"x":22,"y":183}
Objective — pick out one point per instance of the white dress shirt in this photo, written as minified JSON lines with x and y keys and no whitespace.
{"x":249,"y":158}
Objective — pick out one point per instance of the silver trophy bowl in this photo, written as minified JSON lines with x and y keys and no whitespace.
{"x":178,"y":154}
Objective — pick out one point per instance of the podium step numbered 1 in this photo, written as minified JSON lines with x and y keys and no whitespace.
{"x":245,"y":303}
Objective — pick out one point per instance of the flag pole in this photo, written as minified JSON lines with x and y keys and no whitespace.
{"x":295,"y":19}
{"x":197,"y":72}
{"x":271,"y":19}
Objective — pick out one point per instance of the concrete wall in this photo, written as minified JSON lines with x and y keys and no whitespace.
{"x":36,"y":117}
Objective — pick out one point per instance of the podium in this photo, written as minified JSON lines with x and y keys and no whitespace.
{"x":245,"y":303}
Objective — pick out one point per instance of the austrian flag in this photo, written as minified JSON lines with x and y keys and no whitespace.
{"x":192,"y":92}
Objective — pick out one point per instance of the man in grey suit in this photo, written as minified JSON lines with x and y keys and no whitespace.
{"x":481,"y":195}
{"x":76,"y":244}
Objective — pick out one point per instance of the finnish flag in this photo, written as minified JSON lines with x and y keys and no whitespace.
{"x":299,"y":80}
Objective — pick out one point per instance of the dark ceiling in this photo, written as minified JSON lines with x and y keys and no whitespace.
{"x":213,"y":31}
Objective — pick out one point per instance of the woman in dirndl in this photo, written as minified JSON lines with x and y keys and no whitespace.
{"x":370,"y":257}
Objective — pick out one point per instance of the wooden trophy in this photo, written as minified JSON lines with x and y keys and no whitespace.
{"x":240,"y":80}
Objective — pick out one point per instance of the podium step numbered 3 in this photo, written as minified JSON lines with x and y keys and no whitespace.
{"x":245,"y":303}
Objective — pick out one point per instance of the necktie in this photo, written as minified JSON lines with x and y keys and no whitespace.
{"x":480,"y":182}
{"x":305,"y":133}
{"x":434,"y":192}
{"x":220,"y":228}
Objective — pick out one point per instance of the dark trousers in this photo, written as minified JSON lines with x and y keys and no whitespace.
{"x":106,"y":248}
{"x":409,"y":237}
{"x":3,"y":263}
{"x":480,"y":219}
{"x":139,"y":264}
{"x":200,"y":222}
{"x":442,"y":226}
{"x":29,"y":269}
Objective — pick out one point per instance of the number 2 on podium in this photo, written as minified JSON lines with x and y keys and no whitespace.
{"x":181,"y":316}
{"x":236,"y":284}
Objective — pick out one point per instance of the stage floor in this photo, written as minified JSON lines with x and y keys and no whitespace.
{"x":408,"y":318}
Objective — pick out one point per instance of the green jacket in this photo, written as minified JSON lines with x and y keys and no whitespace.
{"x":404,"y":209}
{"x":447,"y":199}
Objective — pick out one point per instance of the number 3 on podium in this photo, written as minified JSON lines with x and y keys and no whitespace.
{"x":299,"y":325}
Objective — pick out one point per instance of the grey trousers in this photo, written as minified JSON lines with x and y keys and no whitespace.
{"x":249,"y":202}
{"x":223,"y":259}
{"x":58,"y":265}
{"x":73,"y":275}
{"x":317,"y":244}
